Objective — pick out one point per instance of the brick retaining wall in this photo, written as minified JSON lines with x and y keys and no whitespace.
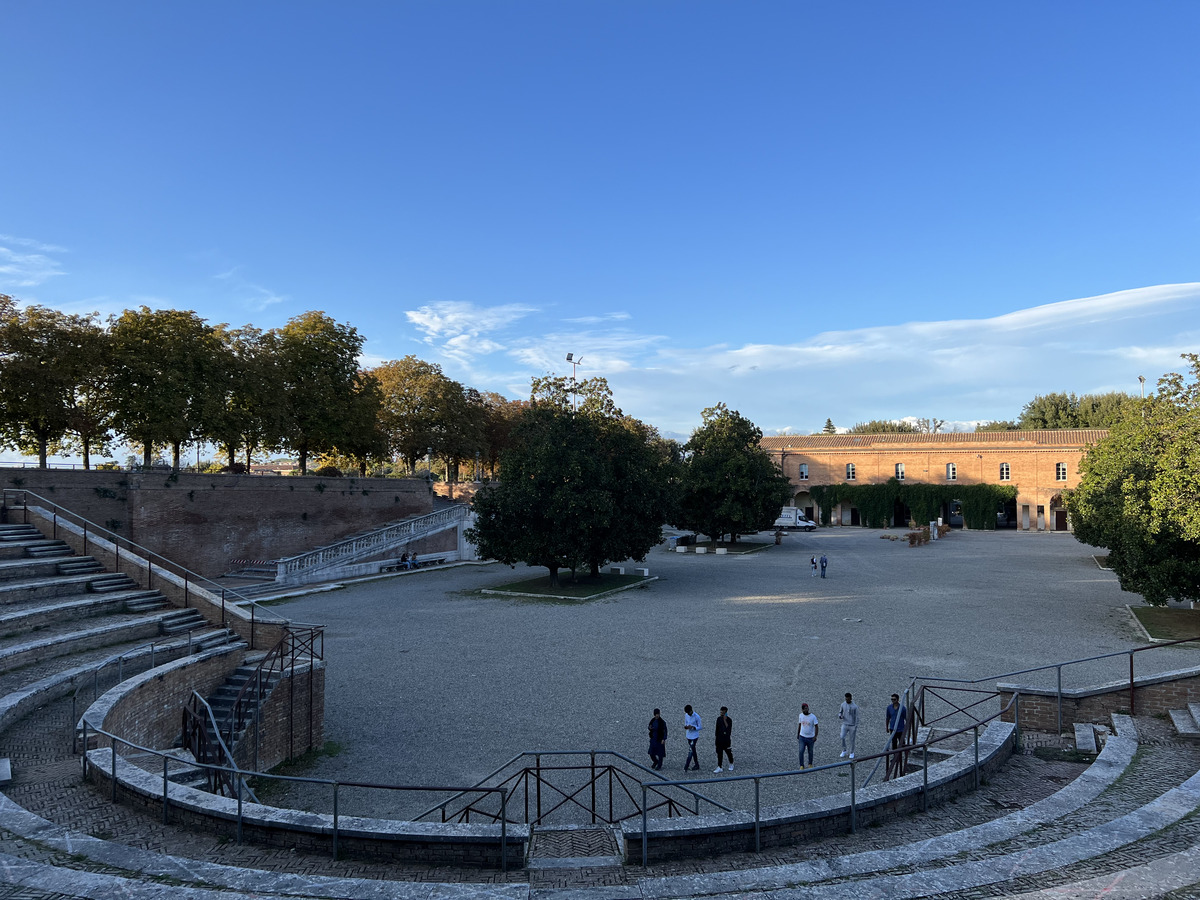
{"x":1154,"y":694}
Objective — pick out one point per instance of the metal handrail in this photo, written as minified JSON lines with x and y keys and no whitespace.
{"x":241,"y":774}
{"x":538,"y":754}
{"x":225,"y":751}
{"x":353,"y":547}
{"x":150,"y":556}
{"x":1059,"y":666}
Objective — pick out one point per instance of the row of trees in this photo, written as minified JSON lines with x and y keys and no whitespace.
{"x":162,"y":379}
{"x":583,"y":484}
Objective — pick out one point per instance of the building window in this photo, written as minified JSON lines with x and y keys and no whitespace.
{"x":1060,"y":471}
{"x":951,"y":472}
{"x":1004,"y":472}
{"x":804,"y":471}
{"x":899,"y":471}
{"x":849,"y":471}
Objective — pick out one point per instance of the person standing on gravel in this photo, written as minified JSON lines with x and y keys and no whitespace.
{"x":824,"y":563}
{"x":658,"y":740}
{"x":806,"y":733}
{"x":691,"y":731}
{"x":724,"y":738}
{"x":848,"y":716}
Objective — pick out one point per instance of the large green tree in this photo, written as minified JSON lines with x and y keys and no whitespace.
{"x":730,"y":484}
{"x":578,"y":487}
{"x":166,"y":377}
{"x":47,"y":361}
{"x":1139,"y":495}
{"x":1059,"y":410}
{"x":322,"y":390}
{"x":883,"y":426}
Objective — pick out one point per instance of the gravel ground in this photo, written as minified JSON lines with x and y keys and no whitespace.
{"x":430,"y":682}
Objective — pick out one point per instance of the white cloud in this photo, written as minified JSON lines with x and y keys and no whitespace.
{"x":27,"y":263}
{"x":249,"y":293}
{"x":449,"y":319}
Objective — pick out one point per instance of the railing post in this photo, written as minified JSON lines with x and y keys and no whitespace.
{"x":185,"y":589}
{"x":83,"y":774}
{"x":925,"y":778}
{"x":252,"y":644}
{"x":165,"y":783}
{"x":1017,"y":718}
{"x":335,"y":820}
{"x":976,"y":729}
{"x":757,"y":818}
{"x":1058,"y":671}
{"x":503,"y":829}
{"x":1132,"y":709}
{"x":85,"y":538}
{"x":537,"y":761}
{"x":74,"y":730}
{"x":853,"y":797}
{"x":113,"y":746}
{"x":238,"y":776}
{"x":593,"y":756}
{"x":644,"y":841}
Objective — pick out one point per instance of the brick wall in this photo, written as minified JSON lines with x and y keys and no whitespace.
{"x":234,"y":516}
{"x":286,"y":729}
{"x":1153,"y":695}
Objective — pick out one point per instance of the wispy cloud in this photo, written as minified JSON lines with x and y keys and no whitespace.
{"x":463,"y":331}
{"x":27,"y":263}
{"x":598,"y":320}
{"x":250,"y":294}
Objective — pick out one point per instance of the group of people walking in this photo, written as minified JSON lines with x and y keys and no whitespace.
{"x":807,"y":729}
{"x":823,"y":562}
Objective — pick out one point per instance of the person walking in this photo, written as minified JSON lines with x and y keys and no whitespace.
{"x":806,"y":732}
{"x":813,"y":562}
{"x":848,"y":716}
{"x":691,"y":731}
{"x":824,"y":563}
{"x":724,"y":738}
{"x":658,"y":740}
{"x":896,"y":721}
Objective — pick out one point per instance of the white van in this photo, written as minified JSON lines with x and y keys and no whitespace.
{"x":793,"y":517}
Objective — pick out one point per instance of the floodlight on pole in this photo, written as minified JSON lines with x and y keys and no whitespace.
{"x":1141,"y":378}
{"x":574,"y":361}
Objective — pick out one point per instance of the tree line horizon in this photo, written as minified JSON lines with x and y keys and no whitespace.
{"x":159,"y":380}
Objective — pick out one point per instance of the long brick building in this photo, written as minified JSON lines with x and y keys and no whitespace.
{"x":1039,"y":464}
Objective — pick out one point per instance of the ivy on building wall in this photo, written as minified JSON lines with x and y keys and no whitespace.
{"x":876,"y":503}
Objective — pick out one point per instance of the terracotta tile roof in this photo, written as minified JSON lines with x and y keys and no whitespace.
{"x":1066,"y":437}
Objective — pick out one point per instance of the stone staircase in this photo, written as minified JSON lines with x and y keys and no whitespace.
{"x":1187,"y":721}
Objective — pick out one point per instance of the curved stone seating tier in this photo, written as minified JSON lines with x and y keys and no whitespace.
{"x":22,"y":618}
{"x":792,"y":823}
{"x":65,"y":641}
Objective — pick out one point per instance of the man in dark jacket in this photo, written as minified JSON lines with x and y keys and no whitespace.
{"x":658,"y":740}
{"x":724,"y":738}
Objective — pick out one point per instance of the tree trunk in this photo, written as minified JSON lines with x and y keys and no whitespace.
{"x":87,"y":448}
{"x":595,"y":572}
{"x":553,"y":575}
{"x":303,"y":460}
{"x":175,"y":456}
{"x":231,"y":451}
{"x":42,"y":461}
{"x":147,"y":454}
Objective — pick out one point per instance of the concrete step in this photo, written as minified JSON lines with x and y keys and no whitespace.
{"x":181,"y":621}
{"x":79,"y":565}
{"x":1085,"y":738}
{"x":116,"y":581}
{"x":1185,"y":723}
{"x":145,"y":601}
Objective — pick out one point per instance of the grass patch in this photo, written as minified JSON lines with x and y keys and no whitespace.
{"x":297,"y":766}
{"x":1166,"y":624}
{"x":583,"y":587}
{"x":1050,"y":754}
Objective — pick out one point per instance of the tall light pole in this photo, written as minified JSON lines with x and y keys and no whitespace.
{"x":574,"y":364}
{"x":1142,"y":379}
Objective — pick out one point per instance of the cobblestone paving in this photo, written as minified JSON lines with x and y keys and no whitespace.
{"x":47,"y":782}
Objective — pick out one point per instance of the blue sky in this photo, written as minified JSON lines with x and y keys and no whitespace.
{"x":856,"y":211}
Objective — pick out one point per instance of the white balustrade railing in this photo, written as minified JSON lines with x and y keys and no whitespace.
{"x":377,"y":541}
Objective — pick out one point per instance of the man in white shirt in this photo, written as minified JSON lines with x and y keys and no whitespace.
{"x":691,"y":730}
{"x":807,"y":732}
{"x":848,"y":716}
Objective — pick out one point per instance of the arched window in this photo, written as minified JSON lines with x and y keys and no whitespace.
{"x":951,"y":472}
{"x":1004,"y":472}
{"x":849,"y":471}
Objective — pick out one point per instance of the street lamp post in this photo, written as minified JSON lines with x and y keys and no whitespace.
{"x":571,"y":358}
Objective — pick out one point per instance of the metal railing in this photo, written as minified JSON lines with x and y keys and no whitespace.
{"x":198,"y":723}
{"x":91,"y":679}
{"x":239,"y":776}
{"x":932,"y":682}
{"x":571,"y":788}
{"x":350,"y":549}
{"x":13,"y":499}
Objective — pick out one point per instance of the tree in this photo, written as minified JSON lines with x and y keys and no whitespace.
{"x":248,"y":413}
{"x":730,"y":484}
{"x":1139,"y":495}
{"x":882,"y":426}
{"x":577,"y":487}
{"x":997,"y":425}
{"x":166,"y":380}
{"x":1059,"y":410}
{"x":930,"y":426}
{"x":318,"y":361}
{"x":829,"y":428}
{"x":47,"y":361}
